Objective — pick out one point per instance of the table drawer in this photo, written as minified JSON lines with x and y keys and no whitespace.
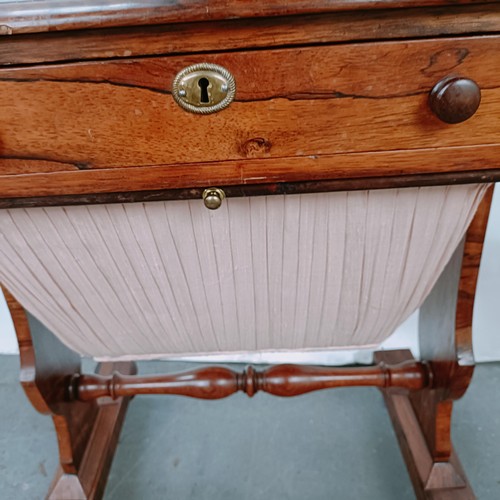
{"x":305,"y":103}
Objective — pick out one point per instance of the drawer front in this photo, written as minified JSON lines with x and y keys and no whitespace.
{"x":307,"y":103}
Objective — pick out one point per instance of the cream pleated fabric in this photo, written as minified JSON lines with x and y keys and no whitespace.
{"x":279,"y":272}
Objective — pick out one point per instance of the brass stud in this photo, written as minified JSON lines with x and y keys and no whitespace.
{"x":212,"y":198}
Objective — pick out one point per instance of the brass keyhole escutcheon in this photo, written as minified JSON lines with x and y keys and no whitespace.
{"x":204,"y":88}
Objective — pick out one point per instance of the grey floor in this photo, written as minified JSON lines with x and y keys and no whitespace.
{"x":328,"y":445}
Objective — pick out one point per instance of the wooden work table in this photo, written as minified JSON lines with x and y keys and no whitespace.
{"x":107,"y":101}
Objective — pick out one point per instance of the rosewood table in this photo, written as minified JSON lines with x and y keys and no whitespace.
{"x":145,"y":144}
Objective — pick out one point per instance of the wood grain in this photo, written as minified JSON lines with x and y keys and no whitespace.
{"x":306,"y":118}
{"x":88,"y":482}
{"x":217,"y":382}
{"x":445,"y":321}
{"x":237,"y":34}
{"x":87,"y":433}
{"x":256,"y":177}
{"x":119,"y":114}
{"x":431,"y":480}
{"x":45,"y":362}
{"x":455,"y":99}
{"x":469,"y":274}
{"x":29,"y":16}
{"x":445,"y":337}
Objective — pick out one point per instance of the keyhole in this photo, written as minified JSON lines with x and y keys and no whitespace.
{"x":203,"y":83}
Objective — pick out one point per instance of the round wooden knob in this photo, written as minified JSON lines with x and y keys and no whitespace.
{"x":212,"y":197}
{"x":455,"y":99}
